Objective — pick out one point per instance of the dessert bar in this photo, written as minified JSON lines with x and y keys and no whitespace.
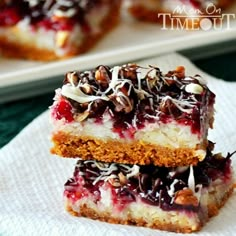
{"x":54,"y":29}
{"x":139,"y":137}
{"x":133,"y":115}
{"x":179,"y":199}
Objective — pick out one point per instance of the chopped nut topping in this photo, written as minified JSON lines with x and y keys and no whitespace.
{"x":140,"y":94}
{"x":122,"y":178}
{"x":82,"y":116}
{"x":169,"y":108}
{"x":114,"y":182}
{"x":186,"y":197}
{"x":72,"y":78}
{"x":64,"y":14}
{"x":154,"y":185}
{"x":180,"y":72}
{"x":86,"y":88}
{"x":170,"y":81}
{"x":122,"y":104}
{"x":129,"y":71}
{"x":165,"y":106}
{"x":102,"y":76}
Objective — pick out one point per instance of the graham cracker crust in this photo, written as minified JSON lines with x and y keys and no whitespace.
{"x":213,"y":209}
{"x":17,"y":50}
{"x":85,"y":211}
{"x":88,"y":148}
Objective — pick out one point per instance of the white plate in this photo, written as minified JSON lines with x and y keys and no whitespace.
{"x":128,"y":42}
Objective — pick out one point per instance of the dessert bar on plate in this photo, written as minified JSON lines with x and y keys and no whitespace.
{"x":179,"y":199}
{"x":133,"y":115}
{"x":54,"y":29}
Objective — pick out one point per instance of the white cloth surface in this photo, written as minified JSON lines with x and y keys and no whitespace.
{"x":32,"y":180}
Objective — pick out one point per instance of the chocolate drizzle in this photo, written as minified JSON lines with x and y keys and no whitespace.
{"x":154,"y":185}
{"x":53,"y":14}
{"x":133,"y":95}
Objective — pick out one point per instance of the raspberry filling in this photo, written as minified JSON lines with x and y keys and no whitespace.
{"x":51,"y":15}
{"x":154,"y":185}
{"x":9,"y":17}
{"x":63,"y":110}
{"x":134,"y":96}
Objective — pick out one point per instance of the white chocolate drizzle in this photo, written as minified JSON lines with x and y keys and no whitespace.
{"x":126,"y":93}
{"x":33,"y":3}
{"x":171,"y":190}
{"x":77,"y":95}
{"x":117,"y":173}
{"x":191,"y":179}
{"x":59,"y":8}
{"x":181,"y":104}
{"x":194,"y":88}
{"x":106,"y":171}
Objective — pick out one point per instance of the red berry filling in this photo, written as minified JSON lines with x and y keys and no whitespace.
{"x":52,"y":15}
{"x":132,"y":102}
{"x":152,"y":184}
{"x":48,"y":24}
{"x":63,"y":110}
{"x":9,"y":17}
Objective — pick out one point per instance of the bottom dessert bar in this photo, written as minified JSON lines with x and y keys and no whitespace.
{"x":180,"y":199}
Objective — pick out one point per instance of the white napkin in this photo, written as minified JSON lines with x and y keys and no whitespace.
{"x":31,"y":179}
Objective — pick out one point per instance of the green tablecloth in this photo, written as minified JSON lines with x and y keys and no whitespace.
{"x":16,"y":115}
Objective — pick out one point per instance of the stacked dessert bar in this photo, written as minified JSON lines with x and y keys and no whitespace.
{"x":140,"y":140}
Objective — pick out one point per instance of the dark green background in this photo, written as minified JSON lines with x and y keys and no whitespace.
{"x":16,"y":115}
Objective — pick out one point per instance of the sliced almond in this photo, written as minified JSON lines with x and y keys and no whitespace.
{"x":62,"y":38}
{"x":82,"y":116}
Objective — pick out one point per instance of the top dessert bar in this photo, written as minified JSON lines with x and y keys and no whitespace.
{"x":133,"y":115}
{"x":54,"y":29}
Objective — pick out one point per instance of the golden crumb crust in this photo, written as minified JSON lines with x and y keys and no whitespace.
{"x":17,"y":50}
{"x":161,"y":224}
{"x":215,"y":204}
{"x":87,"y":148}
